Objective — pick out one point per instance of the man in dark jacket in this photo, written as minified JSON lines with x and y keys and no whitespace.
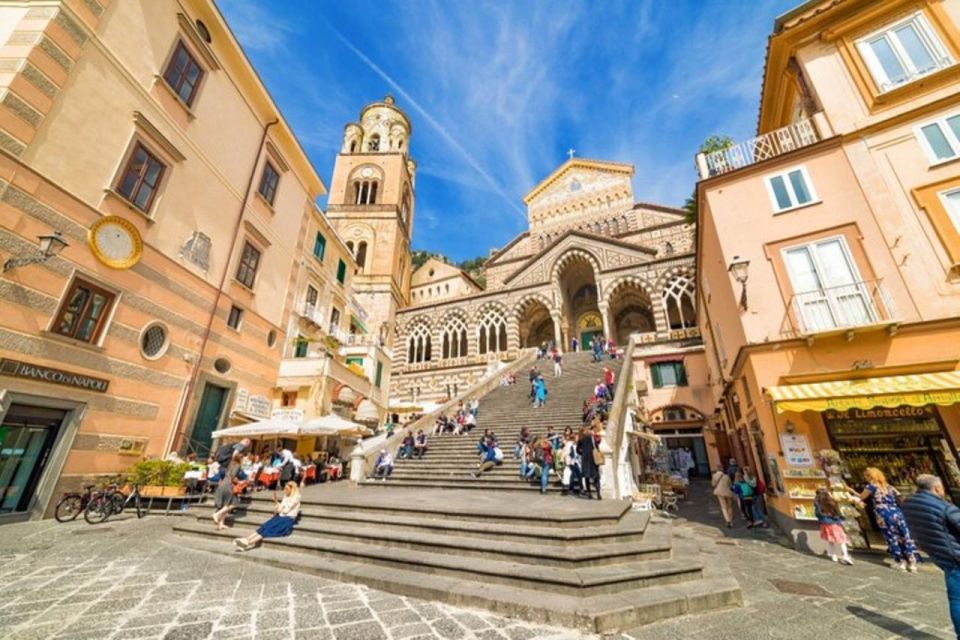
{"x":935,"y":524}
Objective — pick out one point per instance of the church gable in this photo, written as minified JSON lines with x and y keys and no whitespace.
{"x":652,"y":216}
{"x":580,"y":188}
{"x":433,"y":270}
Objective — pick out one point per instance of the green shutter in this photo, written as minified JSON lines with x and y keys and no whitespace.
{"x":681,"y":374}
{"x":379,"y":378}
{"x":655,"y":374}
{"x":320,"y":246}
{"x":341,"y":272}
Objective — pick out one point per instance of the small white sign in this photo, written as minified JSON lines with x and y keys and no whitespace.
{"x":260,"y":406}
{"x":290,"y":415}
{"x":796,"y":450}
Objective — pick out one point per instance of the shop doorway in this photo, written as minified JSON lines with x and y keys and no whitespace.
{"x":27,"y":436}
{"x":682,"y":447}
{"x":208,"y":419}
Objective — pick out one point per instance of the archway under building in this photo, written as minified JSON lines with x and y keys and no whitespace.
{"x":580,"y":315}
{"x":631,"y":311}
{"x":535,"y":323}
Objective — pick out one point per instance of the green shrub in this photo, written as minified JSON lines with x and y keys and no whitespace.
{"x":158,"y":473}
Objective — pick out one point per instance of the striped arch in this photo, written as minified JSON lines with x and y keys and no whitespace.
{"x":573,"y":254}
{"x":669,"y":274}
{"x":335,"y":395}
{"x":522,"y":303}
{"x":678,"y":297}
{"x":492,"y":325}
{"x":626,"y":316}
{"x":622,"y":281}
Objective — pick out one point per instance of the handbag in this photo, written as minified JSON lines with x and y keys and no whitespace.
{"x":597,"y":457}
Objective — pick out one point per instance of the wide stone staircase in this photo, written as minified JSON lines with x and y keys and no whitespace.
{"x":451,"y":460}
{"x":428,"y":532}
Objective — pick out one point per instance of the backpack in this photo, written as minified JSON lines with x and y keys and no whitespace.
{"x":224,"y":455}
{"x":286,"y":472}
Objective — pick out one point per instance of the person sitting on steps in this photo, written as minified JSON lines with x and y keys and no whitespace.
{"x":406,"y":447}
{"x":420,"y":445}
{"x":383,"y":466}
{"x":281,"y":524}
{"x":490,"y":457}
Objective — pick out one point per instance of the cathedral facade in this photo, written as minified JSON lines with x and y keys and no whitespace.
{"x":592,"y":261}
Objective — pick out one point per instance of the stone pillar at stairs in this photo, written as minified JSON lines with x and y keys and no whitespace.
{"x":605,"y":314}
{"x":557,"y":334}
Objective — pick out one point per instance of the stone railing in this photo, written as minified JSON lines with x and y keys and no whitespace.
{"x":365,"y":453}
{"x":617,"y":477}
{"x":797,"y":135}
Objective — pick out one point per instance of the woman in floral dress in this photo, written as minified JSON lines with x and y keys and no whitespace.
{"x":900,"y":544}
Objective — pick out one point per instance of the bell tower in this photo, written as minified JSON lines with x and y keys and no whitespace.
{"x":371,"y":206}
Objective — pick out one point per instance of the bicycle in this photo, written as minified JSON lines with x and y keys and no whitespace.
{"x":110,"y":502}
{"x":72,"y":504}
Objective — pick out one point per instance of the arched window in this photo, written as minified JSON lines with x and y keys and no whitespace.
{"x":374,"y":144}
{"x":418,"y":344}
{"x":350,"y":245}
{"x":362,"y":254}
{"x":454,"y":338}
{"x":353,"y":146}
{"x":678,"y":303}
{"x":492,"y":332}
{"x":405,"y":206}
{"x":365,"y":191}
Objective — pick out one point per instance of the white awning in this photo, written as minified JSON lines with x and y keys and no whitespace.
{"x":333,"y":425}
{"x":269,"y":427}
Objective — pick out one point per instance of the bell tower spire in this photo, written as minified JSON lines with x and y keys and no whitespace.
{"x":371,"y":205}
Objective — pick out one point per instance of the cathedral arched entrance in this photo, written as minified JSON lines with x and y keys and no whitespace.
{"x":535,"y":323}
{"x":631,"y":311}
{"x":580,"y":315}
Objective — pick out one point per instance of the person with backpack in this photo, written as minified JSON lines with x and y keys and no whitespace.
{"x":543,"y":455}
{"x":287,"y":466}
{"x":757,"y":506}
{"x":744,"y":491}
{"x":225,"y":453}
{"x":591,"y":459}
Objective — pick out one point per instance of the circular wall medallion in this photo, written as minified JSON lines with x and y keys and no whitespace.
{"x":222,"y":365}
{"x":366,"y":172}
{"x":115,"y":242}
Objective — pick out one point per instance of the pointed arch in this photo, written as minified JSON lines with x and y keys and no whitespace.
{"x":419,"y":347}
{"x":453,"y":335}
{"x":679,"y":302}
{"x":491,"y":329}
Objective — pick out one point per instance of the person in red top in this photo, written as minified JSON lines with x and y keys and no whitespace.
{"x":608,"y":378}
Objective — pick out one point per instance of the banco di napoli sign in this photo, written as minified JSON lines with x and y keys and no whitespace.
{"x":29,"y":371}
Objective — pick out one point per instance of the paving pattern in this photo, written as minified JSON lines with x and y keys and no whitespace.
{"x":135,"y":579}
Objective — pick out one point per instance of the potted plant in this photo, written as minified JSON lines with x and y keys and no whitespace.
{"x":159,"y":478}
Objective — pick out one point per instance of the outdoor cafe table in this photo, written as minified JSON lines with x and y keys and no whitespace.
{"x":268,"y":477}
{"x":310,"y":472}
{"x":334,"y":471}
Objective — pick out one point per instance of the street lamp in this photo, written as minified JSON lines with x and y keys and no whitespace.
{"x":49,"y":245}
{"x":738,"y":269}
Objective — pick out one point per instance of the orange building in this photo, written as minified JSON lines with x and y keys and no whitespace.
{"x":829,"y":256}
{"x":141,"y":134}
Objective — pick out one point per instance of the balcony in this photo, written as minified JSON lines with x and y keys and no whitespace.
{"x":775,"y":143}
{"x":311,"y":313}
{"x":843,"y":310}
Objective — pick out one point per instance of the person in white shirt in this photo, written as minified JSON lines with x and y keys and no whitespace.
{"x":281,"y":524}
{"x":384,"y":466}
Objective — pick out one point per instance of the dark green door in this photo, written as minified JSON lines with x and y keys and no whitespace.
{"x":208,"y":419}
{"x":585,"y":337}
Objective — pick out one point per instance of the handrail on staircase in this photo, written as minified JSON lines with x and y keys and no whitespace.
{"x":617,"y":478}
{"x":364,"y":455}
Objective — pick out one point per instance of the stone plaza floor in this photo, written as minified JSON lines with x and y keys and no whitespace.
{"x":135,"y":579}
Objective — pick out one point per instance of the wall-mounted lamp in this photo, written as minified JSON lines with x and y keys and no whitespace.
{"x":789,"y":427}
{"x":48,"y":246}
{"x":738,"y":269}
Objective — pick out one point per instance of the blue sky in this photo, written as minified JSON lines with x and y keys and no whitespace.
{"x":498,"y":91}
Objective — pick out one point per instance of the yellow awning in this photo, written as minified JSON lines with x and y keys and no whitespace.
{"x":893,"y":391}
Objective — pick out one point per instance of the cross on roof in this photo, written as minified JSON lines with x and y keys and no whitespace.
{"x":571,"y":153}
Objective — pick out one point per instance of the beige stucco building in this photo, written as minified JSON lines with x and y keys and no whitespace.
{"x":140,"y":132}
{"x":827,"y":255}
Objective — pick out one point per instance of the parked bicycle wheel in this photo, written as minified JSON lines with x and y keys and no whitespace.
{"x":119,"y":500}
{"x":141,"y":511}
{"x":68,"y":508}
{"x":98,"y":509}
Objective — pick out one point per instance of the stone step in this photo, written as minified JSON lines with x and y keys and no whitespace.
{"x":654,"y":545}
{"x":631,"y":528}
{"x":478,"y":484}
{"x":595,"y":614}
{"x":592,"y":580}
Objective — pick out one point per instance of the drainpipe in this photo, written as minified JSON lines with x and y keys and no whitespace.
{"x":195,"y":372}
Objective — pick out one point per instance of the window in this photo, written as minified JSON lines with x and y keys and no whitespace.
{"x":379,"y":377}
{"x":341,"y":271}
{"x":951,"y":202}
{"x":903,"y":52}
{"x":84,"y":312}
{"x":319,"y":246}
{"x":300,"y":347}
{"x":311,"y":297}
{"x":492,"y":332}
{"x":183,"y":74}
{"x":828,"y":291}
{"x":941,"y":139}
{"x":247,"y":269}
{"x":234,"y":317}
{"x":334,"y":320}
{"x":362,"y":254}
{"x":374,"y":144}
{"x":790,"y":189}
{"x":288,"y":399}
{"x":268,"y":182}
{"x":668,"y":374}
{"x":678,"y":303}
{"x":674,"y":414}
{"x":418,"y":344}
{"x":365,"y":191}
{"x":453,"y":338}
{"x":141,"y":177}
{"x":153,"y":341}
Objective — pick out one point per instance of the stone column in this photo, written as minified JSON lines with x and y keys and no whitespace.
{"x":604,"y":313}
{"x":557,"y":334}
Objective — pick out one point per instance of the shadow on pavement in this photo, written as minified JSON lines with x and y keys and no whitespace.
{"x":889,"y":624}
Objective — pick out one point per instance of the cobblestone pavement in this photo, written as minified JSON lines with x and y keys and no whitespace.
{"x":135,"y":579}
